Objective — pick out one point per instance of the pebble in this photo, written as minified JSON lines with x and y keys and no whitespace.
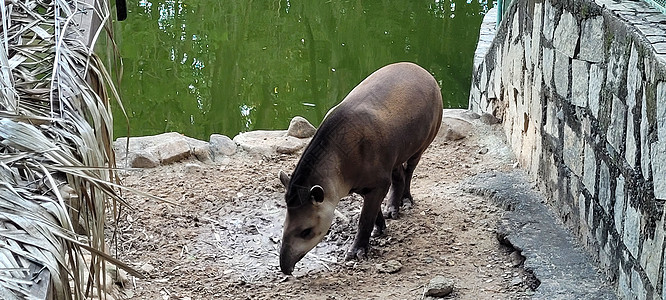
{"x":439,"y":286}
{"x":516,"y":258}
{"x":147,"y":268}
{"x":516,"y":281}
{"x":190,"y":168}
{"x":391,"y":266}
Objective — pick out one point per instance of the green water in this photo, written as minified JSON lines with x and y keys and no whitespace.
{"x":216,"y":66}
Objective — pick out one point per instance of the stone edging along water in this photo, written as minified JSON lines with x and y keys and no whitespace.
{"x":580,"y":87}
{"x":166,"y":148}
{"x":170,"y":147}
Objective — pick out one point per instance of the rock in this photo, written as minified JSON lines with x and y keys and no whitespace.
{"x":289,"y":146}
{"x":299,"y":127}
{"x":517,"y":259}
{"x":439,"y":286}
{"x":489,"y":119}
{"x":147,"y":268}
{"x":222,"y":145}
{"x":516,"y":280}
{"x":391,"y":266}
{"x":142,"y":159}
{"x":483,"y":150}
{"x":454,"y":128}
{"x":269,"y":142}
{"x":191,"y":168}
{"x":166,"y":148}
{"x":203,"y":154}
{"x":173,"y":152}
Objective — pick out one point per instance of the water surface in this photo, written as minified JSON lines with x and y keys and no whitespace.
{"x":216,"y":66}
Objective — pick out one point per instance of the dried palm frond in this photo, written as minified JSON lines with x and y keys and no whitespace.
{"x":55,"y":148}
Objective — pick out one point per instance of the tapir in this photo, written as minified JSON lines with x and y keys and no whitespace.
{"x":368,"y":144}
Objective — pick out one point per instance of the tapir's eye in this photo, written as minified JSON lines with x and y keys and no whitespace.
{"x":306,"y":234}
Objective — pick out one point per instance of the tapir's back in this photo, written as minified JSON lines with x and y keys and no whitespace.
{"x":398,"y":106}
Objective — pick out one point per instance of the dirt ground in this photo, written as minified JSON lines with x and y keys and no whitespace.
{"x":221,"y":240}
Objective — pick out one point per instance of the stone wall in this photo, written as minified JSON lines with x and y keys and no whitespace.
{"x":580,"y":87}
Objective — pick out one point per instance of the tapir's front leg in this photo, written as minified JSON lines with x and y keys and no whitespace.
{"x":372,"y":203}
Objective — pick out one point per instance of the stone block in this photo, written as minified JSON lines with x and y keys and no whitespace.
{"x":536,"y":159}
{"x":616,"y":65}
{"x":580,"y":82}
{"x":483,"y":80}
{"x":632,"y":230}
{"x":638,"y":286}
{"x":536,"y":101}
{"x":634,"y":77}
{"x":651,"y":255}
{"x":497,"y":82}
{"x":573,"y":151}
{"x":630,"y":150}
{"x":615,"y":133}
{"x":549,"y":20}
{"x":604,"y":187}
{"x":592,"y":40}
{"x":566,"y":34}
{"x":548,"y":63}
{"x":661,"y":111}
{"x":624,"y":284}
{"x":537,"y":21}
{"x":527,"y":46}
{"x":618,"y":208}
{"x":645,"y":145}
{"x":552,"y":122}
{"x":597,"y":77}
{"x":562,"y":68}
{"x":658,"y":155}
{"x":581,"y":215}
{"x":589,"y":169}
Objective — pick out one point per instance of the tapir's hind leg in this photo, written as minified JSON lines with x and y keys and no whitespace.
{"x":372,"y":204}
{"x":396,"y":192}
{"x":409,"y":171}
{"x":380,"y":224}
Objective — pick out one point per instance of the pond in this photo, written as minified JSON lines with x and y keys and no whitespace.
{"x":215,"y":66}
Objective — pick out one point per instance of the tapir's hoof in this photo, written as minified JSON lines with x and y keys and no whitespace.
{"x":377,"y":231}
{"x":392,"y":213}
{"x":357,"y":254}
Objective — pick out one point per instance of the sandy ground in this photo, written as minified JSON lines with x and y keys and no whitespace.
{"x":221,"y":240}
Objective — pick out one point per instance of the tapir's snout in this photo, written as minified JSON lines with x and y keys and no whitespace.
{"x":286,"y":267}
{"x":288,"y":260}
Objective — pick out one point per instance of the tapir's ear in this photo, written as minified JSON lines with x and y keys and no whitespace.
{"x":284,"y":178}
{"x":317,"y":194}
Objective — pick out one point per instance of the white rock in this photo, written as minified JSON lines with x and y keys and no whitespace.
{"x":266,"y":143}
{"x":174,"y":151}
{"x":142,"y":159}
{"x":190,"y":168}
{"x":453,"y":128}
{"x":222,"y":145}
{"x":147,"y":268}
{"x":299,"y":127}
{"x":439,"y":286}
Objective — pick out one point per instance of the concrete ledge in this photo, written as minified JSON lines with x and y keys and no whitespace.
{"x":562,"y":266}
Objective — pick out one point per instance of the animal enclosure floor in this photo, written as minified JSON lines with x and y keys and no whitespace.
{"x":221,"y":241}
